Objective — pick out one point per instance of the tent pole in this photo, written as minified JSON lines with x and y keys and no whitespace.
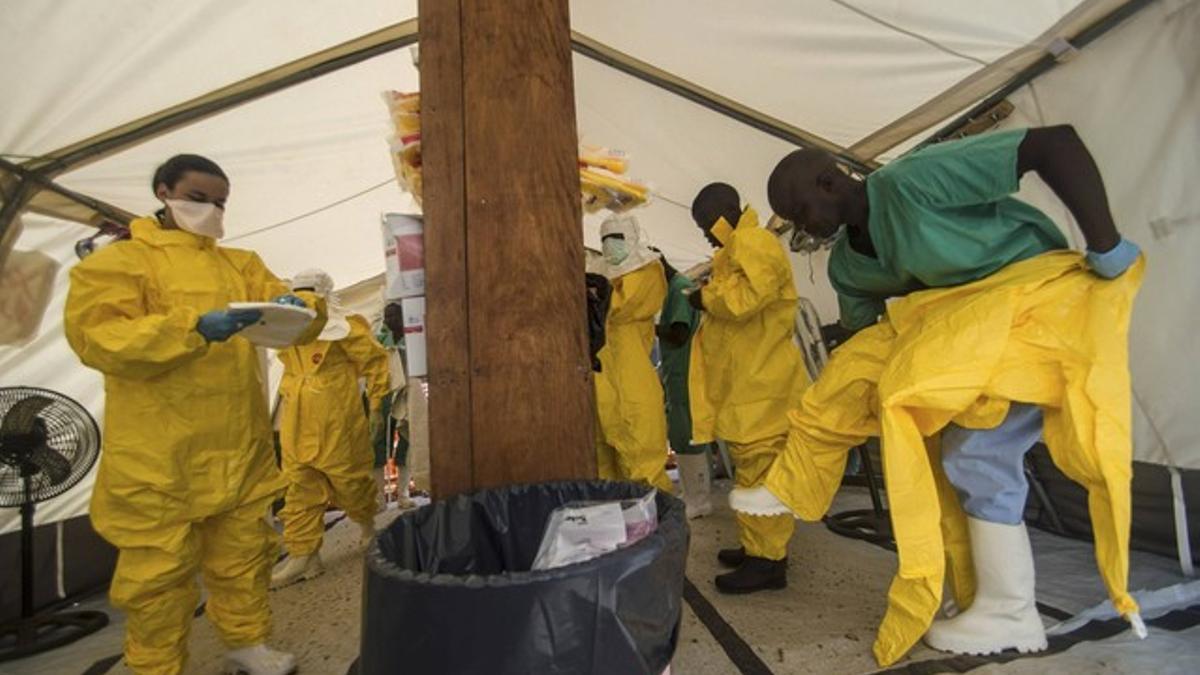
{"x":30,"y":177}
{"x":256,"y":86}
{"x":602,"y":53}
{"x":1036,"y":70}
{"x":13,"y":204}
{"x":1183,"y":541}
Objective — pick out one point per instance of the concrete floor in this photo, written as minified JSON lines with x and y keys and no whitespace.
{"x":824,"y":622}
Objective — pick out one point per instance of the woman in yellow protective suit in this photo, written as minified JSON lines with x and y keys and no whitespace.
{"x":631,"y":442}
{"x":188,"y":470}
{"x":327,"y":453}
{"x":745,"y":372}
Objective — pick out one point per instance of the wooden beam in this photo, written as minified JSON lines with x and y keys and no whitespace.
{"x":510,"y":378}
{"x":448,"y":339}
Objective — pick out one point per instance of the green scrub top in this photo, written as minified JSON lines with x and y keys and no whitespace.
{"x":675,"y":365}
{"x":942,"y":216}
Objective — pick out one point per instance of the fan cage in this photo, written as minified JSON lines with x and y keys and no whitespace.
{"x":70,"y":430}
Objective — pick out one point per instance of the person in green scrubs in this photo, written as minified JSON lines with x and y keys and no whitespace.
{"x":676,"y":326}
{"x":942,"y":216}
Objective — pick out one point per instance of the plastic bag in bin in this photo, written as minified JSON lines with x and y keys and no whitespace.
{"x":579,"y":531}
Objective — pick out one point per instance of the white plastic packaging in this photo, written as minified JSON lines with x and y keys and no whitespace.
{"x":580,"y":531}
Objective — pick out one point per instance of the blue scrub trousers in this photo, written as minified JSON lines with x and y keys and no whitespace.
{"x":987,"y":466}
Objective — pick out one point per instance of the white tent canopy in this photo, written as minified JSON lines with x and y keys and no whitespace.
{"x":310,"y":171}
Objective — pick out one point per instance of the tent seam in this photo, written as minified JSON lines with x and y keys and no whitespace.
{"x":913,"y":34}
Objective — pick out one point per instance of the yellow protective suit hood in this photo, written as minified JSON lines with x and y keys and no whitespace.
{"x":1044,"y":331}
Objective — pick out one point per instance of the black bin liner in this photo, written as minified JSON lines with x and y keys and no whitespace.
{"x":448,"y":590}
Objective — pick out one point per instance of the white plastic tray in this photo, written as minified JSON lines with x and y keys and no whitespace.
{"x":280,"y":325}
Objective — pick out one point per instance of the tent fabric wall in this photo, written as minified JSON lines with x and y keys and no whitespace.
{"x":311,"y":160}
{"x":1133,"y":98}
{"x":47,"y":361}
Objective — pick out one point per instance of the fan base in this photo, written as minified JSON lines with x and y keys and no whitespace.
{"x":26,"y":637}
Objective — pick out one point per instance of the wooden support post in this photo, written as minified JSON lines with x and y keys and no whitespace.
{"x":510,"y":396}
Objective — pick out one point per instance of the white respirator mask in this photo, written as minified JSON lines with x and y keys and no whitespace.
{"x":202,"y":218}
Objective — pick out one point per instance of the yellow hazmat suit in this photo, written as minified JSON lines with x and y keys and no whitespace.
{"x":327,"y":454}
{"x":188,"y":469}
{"x":1043,"y":331}
{"x":746,"y":370}
{"x":632,"y":439}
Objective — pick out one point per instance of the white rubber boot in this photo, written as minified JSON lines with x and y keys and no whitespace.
{"x":757,"y":502}
{"x":695,"y":474}
{"x":1003,"y":614}
{"x":295,"y":569}
{"x":259,"y":660}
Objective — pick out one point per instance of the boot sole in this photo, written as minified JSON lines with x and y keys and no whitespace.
{"x":976,"y":650}
{"x":733,"y":565}
{"x":238,"y":670}
{"x":773,"y":586}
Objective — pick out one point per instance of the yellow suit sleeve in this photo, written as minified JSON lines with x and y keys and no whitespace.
{"x":370,"y":359}
{"x":639,"y":295}
{"x":107,"y":324}
{"x":760,"y":270}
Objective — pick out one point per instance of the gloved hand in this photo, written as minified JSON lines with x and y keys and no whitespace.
{"x":1113,"y":263}
{"x":219,"y":325}
{"x":289,"y":299}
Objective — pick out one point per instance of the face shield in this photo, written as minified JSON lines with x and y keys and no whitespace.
{"x":801,"y":241}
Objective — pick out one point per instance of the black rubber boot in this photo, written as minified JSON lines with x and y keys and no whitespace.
{"x":755,"y":574}
{"x":732,"y":557}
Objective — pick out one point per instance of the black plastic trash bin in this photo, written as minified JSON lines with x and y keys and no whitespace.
{"x":448,"y":590}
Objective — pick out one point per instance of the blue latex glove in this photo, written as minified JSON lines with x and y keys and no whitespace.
{"x":220,"y":325}
{"x":1113,"y":263}
{"x":290,"y":299}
